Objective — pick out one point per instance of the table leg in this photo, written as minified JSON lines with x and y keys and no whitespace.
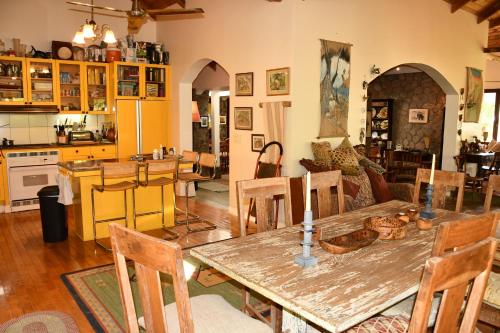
{"x":292,"y":323}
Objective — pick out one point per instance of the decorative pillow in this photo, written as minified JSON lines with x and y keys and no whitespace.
{"x":367,"y":163}
{"x":322,"y":151}
{"x":346,"y":158}
{"x":315,"y":166}
{"x":365,"y":195}
{"x":382,"y":324}
{"x":380,"y":189}
{"x":350,"y":188}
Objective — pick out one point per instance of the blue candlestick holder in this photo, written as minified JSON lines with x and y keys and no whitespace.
{"x":427,"y":213}
{"x":306,"y":259}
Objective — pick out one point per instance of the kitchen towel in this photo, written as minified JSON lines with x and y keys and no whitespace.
{"x":65,"y":192}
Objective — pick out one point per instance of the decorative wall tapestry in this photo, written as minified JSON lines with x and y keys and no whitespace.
{"x":335,"y":79}
{"x":474,"y":95}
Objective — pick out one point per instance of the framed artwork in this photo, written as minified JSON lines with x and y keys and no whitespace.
{"x":204,"y":121}
{"x":258,"y":142}
{"x":418,"y":116}
{"x":243,"y":118}
{"x":278,"y":81}
{"x":473,"y":95}
{"x":222,"y":120}
{"x":244,"y":84}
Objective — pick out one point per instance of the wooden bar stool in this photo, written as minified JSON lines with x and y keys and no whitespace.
{"x":205,"y":162}
{"x":160,"y":167}
{"x":188,"y":156}
{"x":114,"y":171}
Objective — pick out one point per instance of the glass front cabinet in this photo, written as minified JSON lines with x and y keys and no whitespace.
{"x":97,"y":88}
{"x":70,"y":86}
{"x":41,"y":82}
{"x":141,"y":81}
{"x":13,"y":81}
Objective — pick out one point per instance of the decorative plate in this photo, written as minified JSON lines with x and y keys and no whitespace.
{"x":78,"y":53}
{"x":382,"y":114}
{"x":374,"y":135}
{"x":384,"y":136}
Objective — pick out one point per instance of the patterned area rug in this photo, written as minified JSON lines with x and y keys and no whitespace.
{"x":96,"y":292}
{"x":41,"y":322}
{"x":214,"y":186}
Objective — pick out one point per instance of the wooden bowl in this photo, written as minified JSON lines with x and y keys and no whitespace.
{"x":413,"y":214}
{"x":387,"y":227}
{"x":424,"y":224}
{"x":349,"y":242}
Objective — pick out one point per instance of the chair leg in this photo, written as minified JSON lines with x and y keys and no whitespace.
{"x":134,"y":214}
{"x":210,"y":226}
{"x":171,"y":235}
{"x":94,"y":222}
{"x":125,"y":207}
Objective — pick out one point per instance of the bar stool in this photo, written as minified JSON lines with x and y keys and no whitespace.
{"x":160,"y":167}
{"x":206,"y":161}
{"x":188,"y":156}
{"x":115,"y":170}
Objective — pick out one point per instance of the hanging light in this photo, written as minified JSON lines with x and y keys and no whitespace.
{"x":91,"y":31}
{"x":79,"y":39}
{"x":88,"y":29}
{"x":109,"y":36}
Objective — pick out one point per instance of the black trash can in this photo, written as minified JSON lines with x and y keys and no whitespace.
{"x":53,"y":214}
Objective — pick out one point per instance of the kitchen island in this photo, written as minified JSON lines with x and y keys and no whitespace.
{"x":84,"y":174}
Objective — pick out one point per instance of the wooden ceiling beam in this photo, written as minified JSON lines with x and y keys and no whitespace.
{"x":488,"y":11}
{"x":457,"y":4}
{"x":494,"y":22}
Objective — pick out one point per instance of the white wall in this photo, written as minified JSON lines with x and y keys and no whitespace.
{"x":210,"y":79}
{"x":39,"y":22}
{"x":492,"y":74}
{"x":253,"y":36}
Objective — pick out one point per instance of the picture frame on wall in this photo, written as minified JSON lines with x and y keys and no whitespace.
{"x":243,"y":118}
{"x":278,"y":81}
{"x":258,"y":142}
{"x":204,"y":121}
{"x":418,"y":116}
{"x":222,"y":120}
{"x":244,"y":84}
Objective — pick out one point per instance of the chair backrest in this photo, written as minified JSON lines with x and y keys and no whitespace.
{"x":159,"y":167}
{"x":207,"y":161}
{"x":322,"y":182}
{"x":494,"y":165}
{"x":442,"y":179}
{"x":113,"y":170}
{"x":263,"y":192}
{"x":150,"y":256}
{"x":493,"y":185}
{"x":272,"y":168}
{"x":189,"y":155}
{"x":453,"y":273}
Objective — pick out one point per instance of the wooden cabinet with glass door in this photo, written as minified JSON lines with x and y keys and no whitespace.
{"x":141,"y":81}
{"x":13,"y":81}
{"x":127,"y":84}
{"x":70,"y":84}
{"x":98,"y":96}
{"x":155,"y":79}
{"x":41,"y":82}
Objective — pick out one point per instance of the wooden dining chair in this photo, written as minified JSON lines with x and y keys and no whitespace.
{"x":322,"y":183}
{"x":442,"y":179}
{"x":263,"y":192}
{"x":150,"y":255}
{"x":461,"y":274}
{"x":493,"y":186}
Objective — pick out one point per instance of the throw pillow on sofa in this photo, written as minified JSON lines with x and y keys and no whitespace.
{"x":322,"y":151}
{"x":365,"y":196}
{"x":380,"y":189}
{"x":346,"y":158}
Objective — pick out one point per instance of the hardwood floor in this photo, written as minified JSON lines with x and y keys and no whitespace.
{"x":30,"y":269}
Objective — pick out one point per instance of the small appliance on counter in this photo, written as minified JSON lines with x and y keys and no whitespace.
{"x":81,"y":137}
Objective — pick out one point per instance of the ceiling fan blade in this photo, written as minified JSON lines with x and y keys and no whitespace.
{"x":94,"y":6}
{"x":179,"y":11}
{"x":96,"y":13}
{"x":160,"y":4}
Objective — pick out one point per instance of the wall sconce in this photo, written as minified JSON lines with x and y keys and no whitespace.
{"x":375,"y":70}
{"x":365,"y":85}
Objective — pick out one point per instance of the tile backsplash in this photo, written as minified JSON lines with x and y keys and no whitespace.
{"x":39,"y":128}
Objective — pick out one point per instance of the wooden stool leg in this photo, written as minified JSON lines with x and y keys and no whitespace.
{"x":171,"y":235}
{"x":93,"y":215}
{"x":276,"y":318}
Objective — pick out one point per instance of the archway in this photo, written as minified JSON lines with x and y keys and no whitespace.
{"x":451,"y":107}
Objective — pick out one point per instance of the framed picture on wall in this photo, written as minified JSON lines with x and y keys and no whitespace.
{"x":244,"y":84}
{"x":418,"y":116}
{"x":258,"y":142}
{"x":243,"y":118}
{"x":222,"y":120}
{"x":278,"y":81}
{"x":204,"y":121}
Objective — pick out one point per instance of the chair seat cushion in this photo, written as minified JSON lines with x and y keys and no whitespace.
{"x":405,"y":309}
{"x":380,"y":189}
{"x":121,"y":186}
{"x":382,"y":324}
{"x":492,"y":293}
{"x":212,"y":314}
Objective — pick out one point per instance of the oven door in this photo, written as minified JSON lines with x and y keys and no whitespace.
{"x":25,"y":182}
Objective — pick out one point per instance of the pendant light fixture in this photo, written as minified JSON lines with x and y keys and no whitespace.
{"x":91,"y":31}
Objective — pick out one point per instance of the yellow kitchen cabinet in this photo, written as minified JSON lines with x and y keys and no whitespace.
{"x":76,"y":153}
{"x":97,"y":91}
{"x":70,"y":86}
{"x":102,"y":152}
{"x":141,"y":81}
{"x":41,"y":81}
{"x":3,"y":180}
{"x":13,"y":81}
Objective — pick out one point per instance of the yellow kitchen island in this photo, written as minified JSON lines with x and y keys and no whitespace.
{"x":84,"y":174}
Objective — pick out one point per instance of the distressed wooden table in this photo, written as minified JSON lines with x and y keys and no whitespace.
{"x":342,"y":290}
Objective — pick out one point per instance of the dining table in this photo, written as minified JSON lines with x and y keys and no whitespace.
{"x":341,"y":290}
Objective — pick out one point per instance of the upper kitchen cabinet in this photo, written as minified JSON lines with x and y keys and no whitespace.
{"x":97,"y":88}
{"x":41,"y":82}
{"x":70,"y":83}
{"x":141,"y":81}
{"x":12,"y":81}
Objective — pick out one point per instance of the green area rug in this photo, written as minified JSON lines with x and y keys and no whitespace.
{"x":97,"y":293}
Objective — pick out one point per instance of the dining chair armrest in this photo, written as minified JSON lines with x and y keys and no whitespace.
{"x":402,"y":191}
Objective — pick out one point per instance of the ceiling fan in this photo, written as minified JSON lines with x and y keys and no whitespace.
{"x":141,"y":9}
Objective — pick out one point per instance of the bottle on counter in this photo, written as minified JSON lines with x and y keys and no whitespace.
{"x":155,"y":154}
{"x":160,"y":152}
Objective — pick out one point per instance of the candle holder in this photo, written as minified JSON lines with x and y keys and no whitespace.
{"x":427,"y":213}
{"x":306,"y":259}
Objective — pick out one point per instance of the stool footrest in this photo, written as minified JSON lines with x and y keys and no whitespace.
{"x":111,"y":219}
{"x":171,"y":235}
{"x":148,"y":213}
{"x":210,"y":226}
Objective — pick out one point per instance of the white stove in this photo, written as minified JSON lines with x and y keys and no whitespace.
{"x":28,"y":172}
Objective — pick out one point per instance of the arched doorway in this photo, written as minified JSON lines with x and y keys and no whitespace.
{"x":418,"y":86}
